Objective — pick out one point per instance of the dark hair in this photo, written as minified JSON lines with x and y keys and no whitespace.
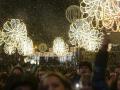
{"x":85,"y":63}
{"x":3,"y":76}
{"x":22,"y":80}
{"x":19,"y":68}
{"x":39,"y":69}
{"x":63,"y":80}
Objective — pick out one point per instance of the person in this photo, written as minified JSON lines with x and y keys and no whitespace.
{"x":100,"y":66}
{"x":39,"y":74}
{"x":3,"y":78}
{"x":55,"y":81}
{"x":23,"y":82}
{"x":84,"y":71}
{"x":118,"y":84}
{"x":86,"y":81}
{"x":17,"y":70}
{"x":111,"y":79}
{"x":117,"y":69}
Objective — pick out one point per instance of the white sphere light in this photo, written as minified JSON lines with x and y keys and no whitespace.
{"x":26,"y":47}
{"x":73,"y":13}
{"x":82,"y":35}
{"x":60,"y":48}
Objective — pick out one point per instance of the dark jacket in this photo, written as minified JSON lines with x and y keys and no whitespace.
{"x":100,"y":66}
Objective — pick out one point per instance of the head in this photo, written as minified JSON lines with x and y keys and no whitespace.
{"x":87,"y":87}
{"x":85,"y":68}
{"x":117,"y":69}
{"x":3,"y":79}
{"x":40,"y":73}
{"x":55,"y":81}
{"x":24,"y":82}
{"x":17,"y":70}
{"x":111,"y":77}
{"x":112,"y":74}
{"x":118,"y":83}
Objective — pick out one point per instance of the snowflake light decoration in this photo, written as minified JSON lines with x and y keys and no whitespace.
{"x":60,"y":48}
{"x":16,"y":38}
{"x":93,"y":40}
{"x":82,"y":35}
{"x":105,"y":11}
{"x":76,"y":30}
{"x":15,"y":29}
{"x":93,"y":9}
{"x":111,"y":17}
{"x":25,"y":47}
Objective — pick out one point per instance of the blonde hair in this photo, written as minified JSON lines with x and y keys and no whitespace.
{"x":62,"y":79}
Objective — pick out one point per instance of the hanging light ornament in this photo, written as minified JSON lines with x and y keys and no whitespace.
{"x":16,"y":38}
{"x":42,"y":47}
{"x":93,"y":40}
{"x":60,"y":48}
{"x":82,"y":35}
{"x":104,"y":12}
{"x":76,"y":30}
{"x":73,"y":13}
{"x":15,"y":30}
{"x":25,"y":47}
{"x":111,"y":17}
{"x":94,"y":11}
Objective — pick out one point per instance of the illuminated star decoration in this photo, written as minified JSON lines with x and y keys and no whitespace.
{"x":60,"y":48}
{"x":82,"y":35}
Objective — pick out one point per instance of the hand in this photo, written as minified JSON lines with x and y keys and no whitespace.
{"x":106,"y":41}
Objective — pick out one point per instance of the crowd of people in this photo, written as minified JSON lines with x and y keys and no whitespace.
{"x":86,"y":76}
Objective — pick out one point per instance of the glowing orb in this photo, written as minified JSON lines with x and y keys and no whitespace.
{"x":25,"y":47}
{"x":73,"y":13}
{"x":42,"y":47}
{"x":60,"y":48}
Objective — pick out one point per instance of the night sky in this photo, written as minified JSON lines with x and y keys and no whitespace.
{"x":45,"y":19}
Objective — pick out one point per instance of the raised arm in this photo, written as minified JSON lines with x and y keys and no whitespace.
{"x":100,"y":66}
